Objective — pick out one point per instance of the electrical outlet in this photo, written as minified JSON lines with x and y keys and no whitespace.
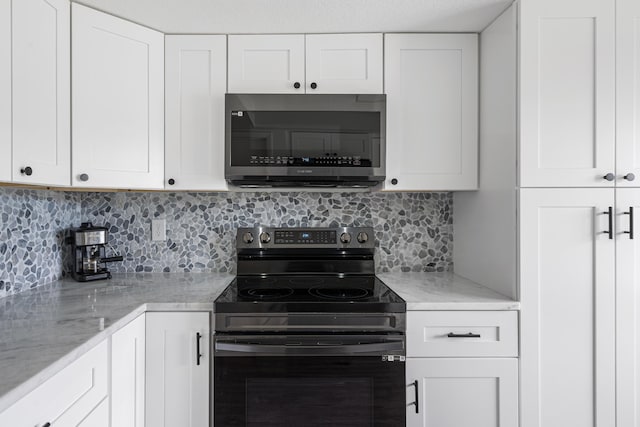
{"x":158,"y":230}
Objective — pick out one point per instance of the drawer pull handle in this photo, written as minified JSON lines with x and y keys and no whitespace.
{"x":415,"y":386}
{"x":469,"y":335}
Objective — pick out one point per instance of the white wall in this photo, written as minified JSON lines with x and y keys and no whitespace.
{"x":485,"y":221}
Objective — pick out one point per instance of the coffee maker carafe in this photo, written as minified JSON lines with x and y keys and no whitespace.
{"x":89,"y":253}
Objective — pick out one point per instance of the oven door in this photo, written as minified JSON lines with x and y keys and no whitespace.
{"x":335,"y":380}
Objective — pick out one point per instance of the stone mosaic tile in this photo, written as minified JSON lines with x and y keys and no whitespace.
{"x":414,"y":231}
{"x":32,"y":230}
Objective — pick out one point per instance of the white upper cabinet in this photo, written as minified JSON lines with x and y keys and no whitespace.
{"x":40,"y":32}
{"x":5,"y":90}
{"x":318,"y":63}
{"x":195,"y":84}
{"x":431,"y":82}
{"x":344,"y":63}
{"x":628,"y":92}
{"x":266,"y":63}
{"x":567,"y":89}
{"x":118,"y":102}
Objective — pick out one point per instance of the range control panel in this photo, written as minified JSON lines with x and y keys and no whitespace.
{"x":294,"y":237}
{"x":305,"y":237}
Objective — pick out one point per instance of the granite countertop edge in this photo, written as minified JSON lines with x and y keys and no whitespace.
{"x":421,"y":291}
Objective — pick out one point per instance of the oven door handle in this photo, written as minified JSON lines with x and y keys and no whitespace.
{"x":319,"y":349}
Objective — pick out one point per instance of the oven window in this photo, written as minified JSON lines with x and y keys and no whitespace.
{"x":274,"y":138}
{"x":346,"y":402}
{"x":306,"y":391}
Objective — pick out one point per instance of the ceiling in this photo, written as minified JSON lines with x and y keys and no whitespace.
{"x":305,"y":16}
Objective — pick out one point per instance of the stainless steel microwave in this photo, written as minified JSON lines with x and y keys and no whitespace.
{"x":277,"y":140}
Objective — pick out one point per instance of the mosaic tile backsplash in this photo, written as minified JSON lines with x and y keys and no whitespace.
{"x":414,"y":231}
{"x":32,"y":229}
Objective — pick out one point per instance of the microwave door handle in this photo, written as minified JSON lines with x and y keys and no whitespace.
{"x":319,"y":349}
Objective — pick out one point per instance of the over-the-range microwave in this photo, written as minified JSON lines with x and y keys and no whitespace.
{"x":278,"y":140}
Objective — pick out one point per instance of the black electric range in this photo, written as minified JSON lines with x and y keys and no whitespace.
{"x":306,"y":334}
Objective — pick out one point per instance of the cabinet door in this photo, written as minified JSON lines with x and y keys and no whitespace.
{"x":463,"y":392}
{"x":628,"y":306}
{"x":266,"y":63}
{"x":567,"y":290}
{"x":628,"y":92}
{"x":41,"y":92}
{"x":177,"y":380}
{"x":195,"y":84}
{"x":567,"y":88}
{"x":127,"y":374}
{"x":344,"y":63}
{"x":432,"y":111}
{"x":5,"y":90}
{"x":118,"y":102}
{"x":98,"y":417}
{"x":68,"y":397}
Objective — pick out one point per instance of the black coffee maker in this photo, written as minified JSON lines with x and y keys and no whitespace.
{"x":89,"y":253}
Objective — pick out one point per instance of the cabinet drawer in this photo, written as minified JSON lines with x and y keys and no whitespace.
{"x":462,"y":334}
{"x":67,"y":397}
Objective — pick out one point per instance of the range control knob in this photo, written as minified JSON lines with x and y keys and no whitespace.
{"x":345,"y":238}
{"x":247,"y":237}
{"x":363,"y":237}
{"x":265,"y":237}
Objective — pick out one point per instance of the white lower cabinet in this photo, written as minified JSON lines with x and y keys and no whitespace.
{"x":128,"y":374}
{"x":473,"y":379}
{"x":78,"y":395}
{"x":177,"y":374}
{"x":462,"y":392}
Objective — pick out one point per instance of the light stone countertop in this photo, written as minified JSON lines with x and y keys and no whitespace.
{"x":47,"y":328}
{"x":445,"y":291}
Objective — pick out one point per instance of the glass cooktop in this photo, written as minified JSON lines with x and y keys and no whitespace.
{"x":299,"y":293}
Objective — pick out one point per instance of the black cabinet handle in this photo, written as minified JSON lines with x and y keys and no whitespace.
{"x":84,"y":177}
{"x":629,"y":177}
{"x":468,"y":335}
{"x":394,"y":181}
{"x":314,"y":85}
{"x":609,"y":177}
{"x":171,"y":181}
{"x":609,"y":212}
{"x":26,"y":171}
{"x":415,"y":386}
{"x":296,"y":85}
{"x":46,"y":425}
{"x":630,"y":213}
{"x":198,"y":354}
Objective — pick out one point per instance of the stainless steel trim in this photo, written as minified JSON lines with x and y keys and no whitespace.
{"x":90,"y":238}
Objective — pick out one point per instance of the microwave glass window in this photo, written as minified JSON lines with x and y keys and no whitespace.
{"x":317,"y":138}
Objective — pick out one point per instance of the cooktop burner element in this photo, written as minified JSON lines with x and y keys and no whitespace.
{"x":266,"y":293}
{"x":340,"y":293}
